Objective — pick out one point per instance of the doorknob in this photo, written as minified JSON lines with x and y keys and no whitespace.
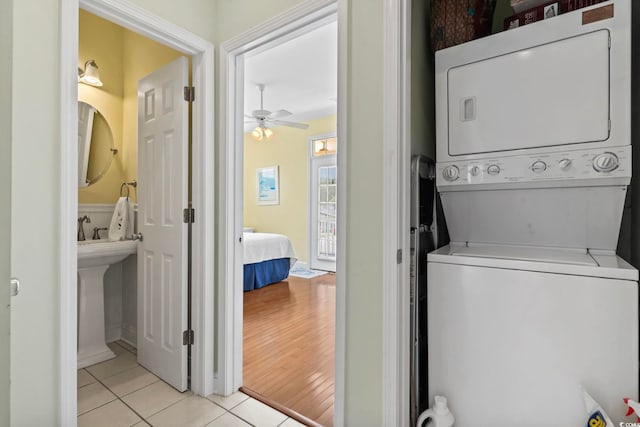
{"x":15,"y":287}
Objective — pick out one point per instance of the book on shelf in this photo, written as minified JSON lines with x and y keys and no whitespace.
{"x":546,"y":11}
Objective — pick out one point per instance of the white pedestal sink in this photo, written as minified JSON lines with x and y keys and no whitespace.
{"x":94,"y":257}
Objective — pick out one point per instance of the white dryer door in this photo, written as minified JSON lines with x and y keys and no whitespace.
{"x":553,"y":94}
{"x":510,"y":348}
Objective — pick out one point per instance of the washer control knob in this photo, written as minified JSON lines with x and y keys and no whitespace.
{"x":475,"y":171}
{"x":493,"y":169}
{"x":565,"y":164}
{"x":539,"y":166}
{"x":605,"y":162}
{"x":451,"y":173}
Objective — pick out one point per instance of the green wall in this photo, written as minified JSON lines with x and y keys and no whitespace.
{"x":35,"y":206}
{"x":35,"y":201}
{"x":6,"y":38}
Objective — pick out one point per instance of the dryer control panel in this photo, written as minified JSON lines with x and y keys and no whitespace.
{"x":567,"y":168}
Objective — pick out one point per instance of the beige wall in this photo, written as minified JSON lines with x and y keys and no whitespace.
{"x":102,"y":41}
{"x":289,"y":149}
{"x":124,"y":57}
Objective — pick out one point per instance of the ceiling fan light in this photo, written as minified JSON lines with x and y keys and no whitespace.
{"x":261,"y":133}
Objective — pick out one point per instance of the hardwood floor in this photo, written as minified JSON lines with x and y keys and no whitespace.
{"x":289,"y":345}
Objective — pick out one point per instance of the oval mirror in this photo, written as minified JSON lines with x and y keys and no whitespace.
{"x":95,"y":145}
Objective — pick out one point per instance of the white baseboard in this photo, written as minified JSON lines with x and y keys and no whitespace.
{"x":113,"y":333}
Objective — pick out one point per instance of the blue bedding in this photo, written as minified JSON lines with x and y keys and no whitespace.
{"x":261,"y":274}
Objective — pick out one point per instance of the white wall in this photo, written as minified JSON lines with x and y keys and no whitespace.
{"x":5,"y":199}
{"x":34,"y":203}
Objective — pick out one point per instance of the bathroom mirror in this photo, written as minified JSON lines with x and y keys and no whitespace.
{"x":95,"y":145}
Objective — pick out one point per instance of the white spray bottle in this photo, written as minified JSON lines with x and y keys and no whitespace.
{"x":439,"y":415}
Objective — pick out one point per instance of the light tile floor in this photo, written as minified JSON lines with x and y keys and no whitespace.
{"x":119,"y":392}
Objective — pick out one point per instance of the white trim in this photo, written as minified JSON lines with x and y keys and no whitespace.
{"x":396,"y":155}
{"x":96,"y":207}
{"x":310,"y":139}
{"x":68,"y":181}
{"x":143,"y":22}
{"x":341,"y":263}
{"x":232,"y":52}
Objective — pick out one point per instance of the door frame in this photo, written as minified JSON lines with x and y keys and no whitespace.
{"x":397,"y":153}
{"x":396,"y":202}
{"x":310,"y":243}
{"x":143,"y":22}
{"x":286,"y":26}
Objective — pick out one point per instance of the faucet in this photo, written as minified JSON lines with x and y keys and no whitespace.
{"x":96,"y":232}
{"x":81,"y":222}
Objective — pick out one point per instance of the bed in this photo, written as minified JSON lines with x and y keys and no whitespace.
{"x":267,"y":259}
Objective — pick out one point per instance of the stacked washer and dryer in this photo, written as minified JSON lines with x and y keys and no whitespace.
{"x":529,"y":303}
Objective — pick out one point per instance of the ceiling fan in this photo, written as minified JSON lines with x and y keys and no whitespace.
{"x":266,"y":119}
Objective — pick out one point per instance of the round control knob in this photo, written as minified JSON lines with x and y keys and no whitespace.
{"x":605,"y":162}
{"x":493,"y":170}
{"x":451,"y":173}
{"x":475,"y":171}
{"x":565,"y":164}
{"x":539,"y":166}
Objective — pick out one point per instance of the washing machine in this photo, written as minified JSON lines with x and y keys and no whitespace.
{"x":529,"y":304}
{"x":517,"y":333}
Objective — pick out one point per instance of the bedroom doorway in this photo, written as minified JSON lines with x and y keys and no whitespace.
{"x":287,"y":321}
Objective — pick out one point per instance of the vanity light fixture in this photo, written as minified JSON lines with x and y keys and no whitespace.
{"x":90,"y":75}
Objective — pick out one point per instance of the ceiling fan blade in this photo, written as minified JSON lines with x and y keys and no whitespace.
{"x":290,"y":124}
{"x":260,"y":113}
{"x":280,"y":113}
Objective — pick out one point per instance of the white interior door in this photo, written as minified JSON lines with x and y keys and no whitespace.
{"x":324,"y":210}
{"x":162,"y":196}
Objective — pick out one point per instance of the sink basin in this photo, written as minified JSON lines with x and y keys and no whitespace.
{"x":94,"y":253}
{"x":94,"y":258}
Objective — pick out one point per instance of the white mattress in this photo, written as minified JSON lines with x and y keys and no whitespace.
{"x":260,"y":247}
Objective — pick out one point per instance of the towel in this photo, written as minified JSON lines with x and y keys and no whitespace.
{"x":121,"y":226}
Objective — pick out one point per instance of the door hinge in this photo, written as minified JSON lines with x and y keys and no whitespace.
{"x":189,"y":215}
{"x":189,"y":93}
{"x":399,"y":256}
{"x":187,"y":337}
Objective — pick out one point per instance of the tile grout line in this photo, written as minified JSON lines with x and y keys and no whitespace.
{"x":117,"y":397}
{"x":145,"y":419}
